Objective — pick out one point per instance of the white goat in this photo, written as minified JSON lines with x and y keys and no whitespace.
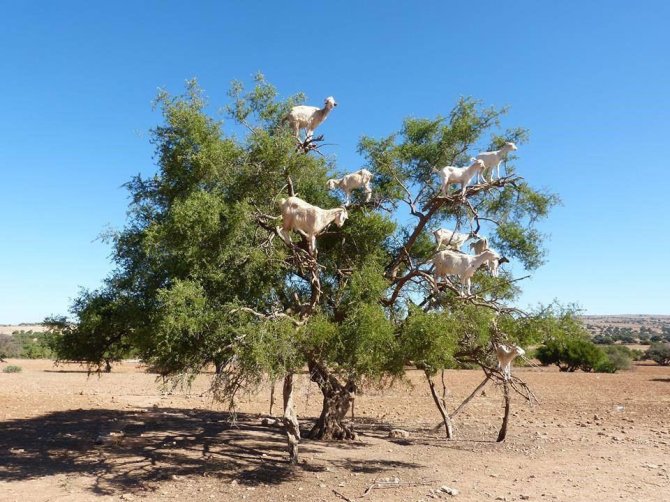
{"x":506,"y":354}
{"x":309,"y":117}
{"x":307,"y":220}
{"x":463,"y":265}
{"x":352,"y":181}
{"x":482,"y":245}
{"x":462,"y":175}
{"x":452,"y":239}
{"x":494,"y":158}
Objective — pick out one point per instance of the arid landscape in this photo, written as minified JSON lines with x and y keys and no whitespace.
{"x":653,"y":324}
{"x":69,"y":436}
{"x":8,"y":329}
{"x":344,"y":251}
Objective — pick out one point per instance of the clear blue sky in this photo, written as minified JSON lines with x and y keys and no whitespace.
{"x":591,"y":80}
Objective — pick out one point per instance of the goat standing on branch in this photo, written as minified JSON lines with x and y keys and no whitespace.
{"x":494,"y":158}
{"x":506,"y":354}
{"x":462,"y":175}
{"x":482,"y":245}
{"x":308,"y":118}
{"x":463,"y":265}
{"x":451,"y":239}
{"x":307,"y":220}
{"x":359,"y":179}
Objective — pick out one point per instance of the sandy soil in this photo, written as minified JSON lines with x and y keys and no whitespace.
{"x":66,"y":436}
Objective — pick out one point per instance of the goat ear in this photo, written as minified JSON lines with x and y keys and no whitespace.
{"x":503,"y":260}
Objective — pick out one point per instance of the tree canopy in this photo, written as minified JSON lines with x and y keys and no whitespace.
{"x":200,"y":277}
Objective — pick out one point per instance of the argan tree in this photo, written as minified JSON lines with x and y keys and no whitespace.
{"x":203,"y":278}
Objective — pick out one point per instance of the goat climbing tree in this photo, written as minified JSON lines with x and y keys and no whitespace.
{"x":201,"y":277}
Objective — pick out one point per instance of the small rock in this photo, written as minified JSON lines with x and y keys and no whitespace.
{"x":448,"y":490}
{"x":270,"y":422}
{"x":398,"y":433}
{"x":127,"y":496}
{"x":524,"y":497}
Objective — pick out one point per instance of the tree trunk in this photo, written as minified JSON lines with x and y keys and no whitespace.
{"x":503,"y":428}
{"x":218,"y":366}
{"x":440,"y":406}
{"x":272,"y":395}
{"x":337,"y":398}
{"x":290,"y":420}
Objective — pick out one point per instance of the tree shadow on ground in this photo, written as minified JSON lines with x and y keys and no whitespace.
{"x":136,"y":449}
{"x":132,"y":449}
{"x":660,"y":380}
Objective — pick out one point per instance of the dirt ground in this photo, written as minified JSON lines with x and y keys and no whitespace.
{"x":594,"y":437}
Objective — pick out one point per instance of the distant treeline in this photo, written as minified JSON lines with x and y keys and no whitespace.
{"x":644,"y":335}
{"x":25,"y":345}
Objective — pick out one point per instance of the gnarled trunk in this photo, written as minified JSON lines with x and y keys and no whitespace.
{"x":337,"y":398}
{"x":290,"y":420}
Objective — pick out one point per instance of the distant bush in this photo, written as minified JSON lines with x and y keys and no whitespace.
{"x":11,"y":369}
{"x":7,"y":347}
{"x":25,"y":345}
{"x":659,"y":352}
{"x":602,"y":339}
{"x":618,"y":357}
{"x":574,"y":352}
{"x":571,"y":354}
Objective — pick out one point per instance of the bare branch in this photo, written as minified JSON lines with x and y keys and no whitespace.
{"x":270,"y":316}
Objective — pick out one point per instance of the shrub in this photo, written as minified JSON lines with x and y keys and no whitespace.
{"x":618,"y":357}
{"x":659,"y":352}
{"x":25,"y":345}
{"x":11,"y":369}
{"x":572,"y":353}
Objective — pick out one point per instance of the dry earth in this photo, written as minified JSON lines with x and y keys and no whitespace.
{"x":8,"y":329}
{"x":595,"y":437}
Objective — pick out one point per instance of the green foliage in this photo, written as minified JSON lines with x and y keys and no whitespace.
{"x":25,"y":345}
{"x":369,"y":345}
{"x":659,"y":352}
{"x":198,"y":280}
{"x":107,"y":319}
{"x":567,"y":345}
{"x":619,"y":357}
{"x":12,"y":369}
{"x":571,"y":353}
{"x":429,"y":339}
{"x":9,"y":347}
